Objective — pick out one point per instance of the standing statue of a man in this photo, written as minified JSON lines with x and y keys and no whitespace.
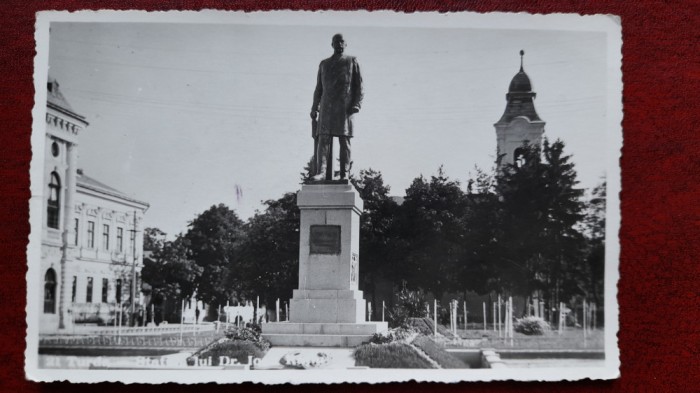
{"x":338,"y":96}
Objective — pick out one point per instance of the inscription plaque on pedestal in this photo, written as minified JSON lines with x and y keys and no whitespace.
{"x":324,"y":239}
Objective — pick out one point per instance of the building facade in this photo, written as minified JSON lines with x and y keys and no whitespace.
{"x":520,"y":123}
{"x":92,"y":236}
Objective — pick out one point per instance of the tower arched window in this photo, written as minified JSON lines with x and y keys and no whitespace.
{"x":53,"y":209}
{"x":50,"y":292}
{"x":519,"y":157}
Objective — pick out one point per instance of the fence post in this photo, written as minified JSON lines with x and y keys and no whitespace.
{"x":435,"y":317}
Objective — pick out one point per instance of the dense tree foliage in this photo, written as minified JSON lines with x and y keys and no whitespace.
{"x":169,"y":274}
{"x":541,"y":247}
{"x":376,"y":254}
{"x":482,"y":234}
{"x":269,"y":255}
{"x":213,"y":238}
{"x":522,"y":229}
{"x":595,"y":232}
{"x":153,"y":239}
{"x":430,"y":227}
{"x":170,"y":271}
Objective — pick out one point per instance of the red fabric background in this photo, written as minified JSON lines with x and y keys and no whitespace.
{"x":658,"y":291}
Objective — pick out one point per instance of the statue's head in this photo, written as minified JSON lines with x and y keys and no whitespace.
{"x":338,"y":43}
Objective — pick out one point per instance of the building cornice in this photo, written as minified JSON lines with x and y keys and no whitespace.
{"x":65,"y":111}
{"x":112,"y":195}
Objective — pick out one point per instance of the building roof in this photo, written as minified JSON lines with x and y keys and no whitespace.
{"x":87,"y":182}
{"x":56,"y":99}
{"x":520,"y":83}
{"x":520,"y":98}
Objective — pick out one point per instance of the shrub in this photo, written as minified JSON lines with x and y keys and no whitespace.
{"x":398,"y":334}
{"x":234,"y":349}
{"x":402,"y":333}
{"x":409,"y":304}
{"x":395,"y":355}
{"x":532,"y":326}
{"x":421,"y":325}
{"x":439,"y":355}
{"x":381,"y":338}
{"x":250,"y":334}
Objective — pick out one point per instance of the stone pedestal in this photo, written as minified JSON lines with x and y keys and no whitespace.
{"x":327,"y":309}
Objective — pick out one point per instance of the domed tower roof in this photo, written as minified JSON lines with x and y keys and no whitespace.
{"x":520,"y":97}
{"x":520,"y":83}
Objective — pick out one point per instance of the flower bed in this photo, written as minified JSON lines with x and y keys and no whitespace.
{"x":305,"y":360}
{"x":439,"y":355}
{"x":239,"y":344}
{"x":394,"y":355}
{"x":252,"y":334}
{"x":392,"y":335}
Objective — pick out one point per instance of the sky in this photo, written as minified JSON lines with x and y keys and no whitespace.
{"x":185,"y":116}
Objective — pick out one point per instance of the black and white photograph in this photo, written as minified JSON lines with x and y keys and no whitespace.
{"x":324,"y":197}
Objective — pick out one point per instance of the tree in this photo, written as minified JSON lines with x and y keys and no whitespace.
{"x":595,"y":234}
{"x":269,"y":254}
{"x":481,"y":232}
{"x":170,"y":273}
{"x":308,"y":173}
{"x":213,"y":237}
{"x":153,"y":239}
{"x":375,"y":230}
{"x":540,"y":211}
{"x":430,"y":234}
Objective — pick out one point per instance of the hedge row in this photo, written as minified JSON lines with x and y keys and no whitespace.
{"x":394,"y":355}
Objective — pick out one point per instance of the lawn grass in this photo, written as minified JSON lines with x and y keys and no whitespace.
{"x":394,"y":355}
{"x":572,"y":338}
{"x":439,"y":355}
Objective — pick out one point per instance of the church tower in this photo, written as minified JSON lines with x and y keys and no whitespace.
{"x":520,"y":122}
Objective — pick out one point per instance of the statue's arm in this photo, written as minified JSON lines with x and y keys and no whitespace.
{"x":357,"y":92}
{"x":317,"y":94}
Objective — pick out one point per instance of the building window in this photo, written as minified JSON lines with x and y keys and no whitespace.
{"x":105,"y":236}
{"x":519,"y":157}
{"x":76,"y":230}
{"x":54,"y":149}
{"x":119,"y":290}
{"x":120,"y":239}
{"x":50,"y":292}
{"x":53,"y":209}
{"x":88,"y":294}
{"x":132,"y":237}
{"x":74,"y":289}
{"x":105,"y":288}
{"x":91,"y":234}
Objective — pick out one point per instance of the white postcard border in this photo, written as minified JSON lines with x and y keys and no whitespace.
{"x":609,"y":24}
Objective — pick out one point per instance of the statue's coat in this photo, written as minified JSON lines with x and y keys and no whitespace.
{"x":338,"y":90}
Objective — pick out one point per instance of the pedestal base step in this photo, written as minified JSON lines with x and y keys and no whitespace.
{"x":317,"y":340}
{"x":321,"y":334}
